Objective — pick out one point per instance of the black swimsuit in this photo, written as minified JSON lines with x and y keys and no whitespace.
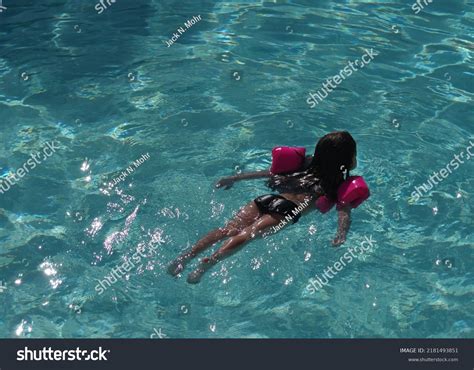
{"x":272,"y":203}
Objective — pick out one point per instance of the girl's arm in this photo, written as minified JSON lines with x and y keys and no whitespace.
{"x":344,"y":222}
{"x":227,"y":182}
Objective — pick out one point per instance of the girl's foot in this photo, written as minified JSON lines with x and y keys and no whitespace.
{"x":178,"y":265}
{"x":195,"y":276}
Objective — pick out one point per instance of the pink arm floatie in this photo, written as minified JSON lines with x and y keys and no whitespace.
{"x":287,"y":159}
{"x":324,"y":204}
{"x":352,"y":192}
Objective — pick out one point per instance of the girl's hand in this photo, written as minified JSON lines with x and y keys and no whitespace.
{"x":338,"y":240}
{"x":225,"y":182}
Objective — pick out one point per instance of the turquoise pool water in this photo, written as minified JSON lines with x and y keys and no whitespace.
{"x":108,"y":91}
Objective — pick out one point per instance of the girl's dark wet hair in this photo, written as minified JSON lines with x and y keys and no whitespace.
{"x":331,"y":161}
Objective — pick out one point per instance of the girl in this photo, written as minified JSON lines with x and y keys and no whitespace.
{"x":320,"y":175}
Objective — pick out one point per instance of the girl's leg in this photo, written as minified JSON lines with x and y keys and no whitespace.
{"x":245,"y":217}
{"x":233,"y":244}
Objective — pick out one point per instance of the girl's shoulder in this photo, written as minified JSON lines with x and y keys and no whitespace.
{"x":307,"y":161}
